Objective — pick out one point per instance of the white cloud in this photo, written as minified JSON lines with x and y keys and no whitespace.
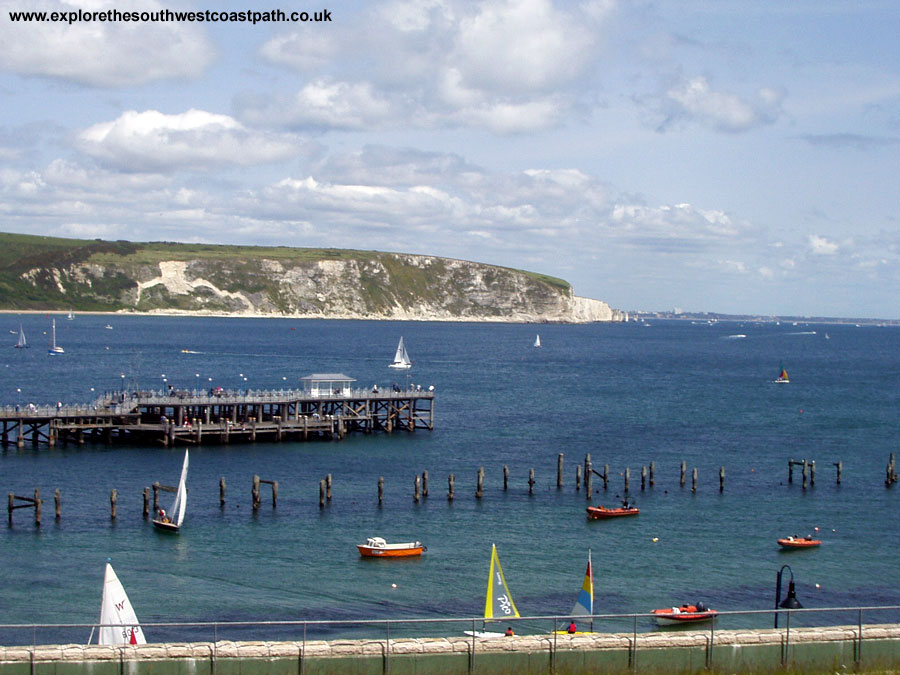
{"x":821,"y":246}
{"x":695,"y":100}
{"x":154,"y":141}
{"x":102,"y":54}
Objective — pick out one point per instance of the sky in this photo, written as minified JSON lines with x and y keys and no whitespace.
{"x":708,"y":155}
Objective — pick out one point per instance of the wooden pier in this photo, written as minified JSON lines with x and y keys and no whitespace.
{"x":220,"y":416}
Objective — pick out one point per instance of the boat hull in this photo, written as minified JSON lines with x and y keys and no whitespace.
{"x":601,"y":513}
{"x":391,"y":550}
{"x":789,"y":542}
{"x":670,"y":618}
{"x":165,"y":527}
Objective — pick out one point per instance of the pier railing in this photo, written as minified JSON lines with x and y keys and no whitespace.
{"x":552,"y":627}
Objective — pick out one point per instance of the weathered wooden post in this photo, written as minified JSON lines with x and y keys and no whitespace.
{"x":58,"y":501}
{"x":643,"y":477}
{"x":578,"y":477}
{"x":605,"y":476}
{"x":416,"y":492}
{"x":113,"y":500}
{"x":380,"y":489}
{"x":694,"y":480}
{"x":721,"y":479}
{"x":627,"y":478}
{"x":10,"y":508}
{"x":683,"y":471}
{"x":790,"y":470}
{"x":450,"y":480}
{"x":155,"y":496}
{"x":531,"y":481}
{"x":805,"y":474}
{"x":222,"y":492}
{"x":812,"y":473}
{"x":479,"y":487}
{"x":840,"y":469}
{"x":505,"y":477}
{"x":652,"y":473}
{"x":254,"y":493}
{"x":425,"y":483}
{"x":274,"y":493}
{"x":322,"y":494}
{"x":146,"y":511}
{"x":328,"y":487}
{"x":37,"y":504}
{"x":559,"y":471}
{"x":588,"y":476}
{"x":891,"y":472}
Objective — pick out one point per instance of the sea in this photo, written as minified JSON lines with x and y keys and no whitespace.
{"x":628,"y":394}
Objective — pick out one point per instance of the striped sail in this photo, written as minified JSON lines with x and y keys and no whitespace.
{"x":584,"y":605}
{"x":499,"y":602}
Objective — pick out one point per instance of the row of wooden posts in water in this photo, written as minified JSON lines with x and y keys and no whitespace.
{"x":420,"y":489}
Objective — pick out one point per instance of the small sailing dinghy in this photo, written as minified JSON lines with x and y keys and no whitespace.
{"x":537,"y":340}
{"x":71,"y":316}
{"x":21,"y":343}
{"x":171,"y":521}
{"x":584,"y":604}
{"x":401,"y":358}
{"x":118,"y":623}
{"x":783,"y":378}
{"x":498,"y":603}
{"x":54,"y":348}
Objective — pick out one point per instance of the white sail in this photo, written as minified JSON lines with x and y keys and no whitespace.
{"x":54,"y":348}
{"x":180,"y":495}
{"x":21,"y":344}
{"x":401,"y":358}
{"x":537,"y":341}
{"x":116,"y":609}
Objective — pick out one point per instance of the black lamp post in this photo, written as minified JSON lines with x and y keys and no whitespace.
{"x":790,"y":601}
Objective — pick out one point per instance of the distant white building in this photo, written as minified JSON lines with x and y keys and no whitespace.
{"x":327,"y":384}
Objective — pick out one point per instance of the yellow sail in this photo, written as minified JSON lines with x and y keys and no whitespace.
{"x":498,"y":603}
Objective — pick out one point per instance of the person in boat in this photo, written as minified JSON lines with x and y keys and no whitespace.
{"x":162,"y":516}
{"x":572,"y":628}
{"x":509,"y":632}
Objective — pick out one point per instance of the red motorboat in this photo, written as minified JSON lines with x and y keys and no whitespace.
{"x":799,"y":542}
{"x":601,"y":512}
{"x":684,"y":614}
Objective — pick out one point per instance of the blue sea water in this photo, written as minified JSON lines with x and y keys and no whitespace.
{"x":628,"y":394}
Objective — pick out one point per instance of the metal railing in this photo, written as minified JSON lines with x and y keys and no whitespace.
{"x":302,"y":631}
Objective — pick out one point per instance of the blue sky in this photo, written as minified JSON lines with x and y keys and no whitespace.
{"x":707,"y":155}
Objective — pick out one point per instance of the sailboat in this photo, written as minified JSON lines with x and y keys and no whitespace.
{"x":401,"y":358}
{"x":21,"y":343}
{"x":171,"y":522}
{"x":54,"y":348}
{"x":783,"y":378}
{"x":118,"y":623}
{"x":498,"y":603}
{"x":537,"y":341}
{"x":584,"y":604}
{"x":71,"y":316}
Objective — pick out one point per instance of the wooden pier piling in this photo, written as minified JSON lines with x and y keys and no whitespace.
{"x":721,"y":479}
{"x":254,"y":493}
{"x":578,"y":477}
{"x":627,"y":478}
{"x":694,"y":480}
{"x":328,"y":487}
{"x":531,"y":481}
{"x":425,"y":483}
{"x":113,"y":502}
{"x":146,"y":509}
{"x":605,"y":476}
{"x":322,"y":494}
{"x":57,"y":499}
{"x":840,"y":469}
{"x":222,"y":492}
{"x":559,"y":471}
{"x":652,"y":472}
{"x":683,"y":471}
{"x":891,"y":472}
{"x":505,"y":477}
{"x":155,"y":487}
{"x":418,"y":483}
{"x":805,"y":474}
{"x":451,"y":479}
{"x":274,"y":484}
{"x":812,"y":473}
{"x":588,"y":477}
{"x":643,"y":477}
{"x":380,"y":489}
{"x":479,"y":487}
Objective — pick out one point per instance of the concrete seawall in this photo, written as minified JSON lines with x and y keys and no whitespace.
{"x":812,"y":650}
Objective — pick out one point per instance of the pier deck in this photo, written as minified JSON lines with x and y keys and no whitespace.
{"x":194,"y":417}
